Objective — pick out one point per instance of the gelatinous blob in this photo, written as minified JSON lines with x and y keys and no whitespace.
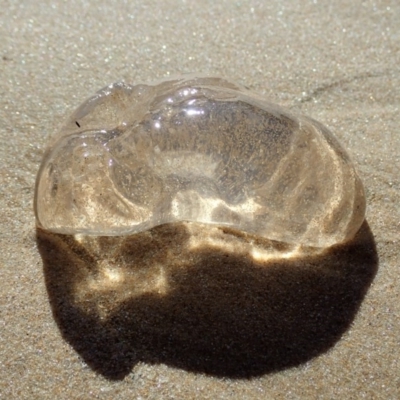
{"x":197,"y":149}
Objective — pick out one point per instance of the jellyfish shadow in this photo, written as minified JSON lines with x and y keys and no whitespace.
{"x":153,"y":297}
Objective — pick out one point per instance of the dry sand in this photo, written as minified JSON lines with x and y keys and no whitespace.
{"x":189,"y":311}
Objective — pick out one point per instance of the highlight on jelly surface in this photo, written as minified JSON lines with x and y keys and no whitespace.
{"x":197,"y":149}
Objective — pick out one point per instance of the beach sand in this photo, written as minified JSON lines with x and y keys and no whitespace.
{"x":190,"y":311}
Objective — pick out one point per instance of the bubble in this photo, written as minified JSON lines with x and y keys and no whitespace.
{"x":197,"y":149}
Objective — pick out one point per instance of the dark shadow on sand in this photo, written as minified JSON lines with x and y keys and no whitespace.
{"x":151,"y":298}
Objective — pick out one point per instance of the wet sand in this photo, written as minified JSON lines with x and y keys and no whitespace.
{"x":185,"y":310}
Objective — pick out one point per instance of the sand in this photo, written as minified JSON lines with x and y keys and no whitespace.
{"x":189,"y":311}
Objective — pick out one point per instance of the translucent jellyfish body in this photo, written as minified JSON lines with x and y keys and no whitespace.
{"x":197,"y":149}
